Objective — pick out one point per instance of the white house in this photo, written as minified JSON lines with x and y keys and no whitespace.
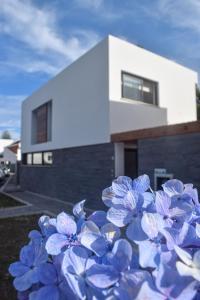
{"x":114,"y":88}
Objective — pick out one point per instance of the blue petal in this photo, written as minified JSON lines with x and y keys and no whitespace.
{"x":121,"y":186}
{"x":40,"y":252}
{"x":78,"y":209}
{"x":110,"y":232}
{"x":94,"y":242}
{"x":47,"y":225}
{"x":135,"y":232}
{"x":148,"y":254}
{"x":25,"y":281}
{"x":75,"y":260}
{"x":66,"y":224}
{"x":34,"y":234}
{"x":198,"y":230}
{"x":99,"y":218}
{"x":47,"y":274}
{"x":55,"y":243}
{"x":163,"y":203}
{"x":107,"y":196}
{"x":149,"y":224}
{"x":121,"y":255}
{"x":17,"y":269}
{"x":146,"y":292}
{"x":148,"y":199}
{"x":49,"y":292}
{"x":77,"y":285}
{"x":173,"y":187}
{"x":141,"y":184}
{"x":102,"y":276}
{"x":119,"y":215}
{"x":27,"y":255}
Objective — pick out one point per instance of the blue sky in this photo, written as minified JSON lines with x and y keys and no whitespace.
{"x":40,"y":38}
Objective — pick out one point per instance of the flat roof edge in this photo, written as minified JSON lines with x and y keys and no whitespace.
{"x":156,"y":132}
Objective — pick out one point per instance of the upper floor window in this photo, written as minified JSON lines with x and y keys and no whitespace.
{"x":41,"y":123}
{"x":140,"y":89}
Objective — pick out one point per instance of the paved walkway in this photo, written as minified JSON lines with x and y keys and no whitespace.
{"x":33,"y":203}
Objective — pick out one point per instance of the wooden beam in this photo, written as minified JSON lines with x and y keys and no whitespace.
{"x":167,"y":130}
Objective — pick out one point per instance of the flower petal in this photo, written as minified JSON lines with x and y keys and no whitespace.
{"x":27,"y":255}
{"x":173,"y":187}
{"x":25,"y":281}
{"x":141,"y":184}
{"x":98,"y":217}
{"x":94,"y":242}
{"x":49,"y":292}
{"x":107,"y":196}
{"x":163,"y":203}
{"x":148,"y":254}
{"x":17,"y":269}
{"x":102,"y":276}
{"x":55,"y":243}
{"x":121,"y":186}
{"x":47,"y":225}
{"x":65,"y":224}
{"x":47,"y":274}
{"x":110,"y":232}
{"x":75,"y":260}
{"x":119,"y":215}
{"x":150,"y":223}
{"x":183,"y":255}
{"x":78,"y":209}
{"x":121,"y":255}
{"x":135,"y":232}
{"x":198,"y":230}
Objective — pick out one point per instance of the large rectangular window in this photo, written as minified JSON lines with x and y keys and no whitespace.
{"x":41,"y":123}
{"x":139,"y":89}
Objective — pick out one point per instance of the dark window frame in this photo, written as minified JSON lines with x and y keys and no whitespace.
{"x":156,"y":83}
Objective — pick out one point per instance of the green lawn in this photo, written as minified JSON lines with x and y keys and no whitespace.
{"x":13,"y":235}
{"x":6,"y":201}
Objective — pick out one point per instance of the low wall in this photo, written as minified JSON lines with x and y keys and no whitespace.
{"x":76,"y":174}
{"x":178,"y":154}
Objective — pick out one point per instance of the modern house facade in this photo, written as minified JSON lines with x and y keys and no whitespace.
{"x":67,"y":125}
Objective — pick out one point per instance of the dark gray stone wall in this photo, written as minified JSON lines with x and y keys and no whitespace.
{"x":76,"y":174}
{"x":178,"y":154}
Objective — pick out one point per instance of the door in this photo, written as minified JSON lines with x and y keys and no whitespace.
{"x":130,"y":162}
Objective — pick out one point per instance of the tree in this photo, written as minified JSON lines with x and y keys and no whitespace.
{"x":6,"y":135}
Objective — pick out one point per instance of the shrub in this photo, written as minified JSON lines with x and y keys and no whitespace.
{"x":146,"y":246}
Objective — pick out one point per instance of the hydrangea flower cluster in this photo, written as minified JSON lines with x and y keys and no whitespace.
{"x":146,"y":246}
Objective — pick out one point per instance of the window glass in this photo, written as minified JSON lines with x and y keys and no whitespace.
{"x":29,"y":159}
{"x":136,"y":88}
{"x":37,"y":158}
{"x":47,"y":158}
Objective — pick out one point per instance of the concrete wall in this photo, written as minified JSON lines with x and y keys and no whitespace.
{"x":131,"y":116}
{"x":76,"y":174}
{"x":176,"y":83}
{"x":80,"y":107}
{"x":179,"y":154}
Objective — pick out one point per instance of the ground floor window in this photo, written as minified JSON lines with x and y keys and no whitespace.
{"x":38,"y":158}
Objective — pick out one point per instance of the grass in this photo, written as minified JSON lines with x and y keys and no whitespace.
{"x":6,"y":201}
{"x":13,"y":235}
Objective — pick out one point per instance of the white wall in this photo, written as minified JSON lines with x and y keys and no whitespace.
{"x":80,"y":106}
{"x":4,"y":143}
{"x":10,"y":156}
{"x":176,"y":83}
{"x":129,"y":115}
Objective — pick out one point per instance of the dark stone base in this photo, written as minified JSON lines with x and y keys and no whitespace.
{"x":76,"y":174}
{"x":179,"y":154}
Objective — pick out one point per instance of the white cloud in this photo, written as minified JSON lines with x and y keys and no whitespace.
{"x":180,"y":13}
{"x":91,"y":4}
{"x":37,"y":29}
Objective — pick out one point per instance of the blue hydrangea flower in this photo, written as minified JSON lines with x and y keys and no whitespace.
{"x":65,"y":237}
{"x":99,"y":240}
{"x":25,"y":270}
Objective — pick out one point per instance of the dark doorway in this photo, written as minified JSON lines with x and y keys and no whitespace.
{"x":130,"y":162}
